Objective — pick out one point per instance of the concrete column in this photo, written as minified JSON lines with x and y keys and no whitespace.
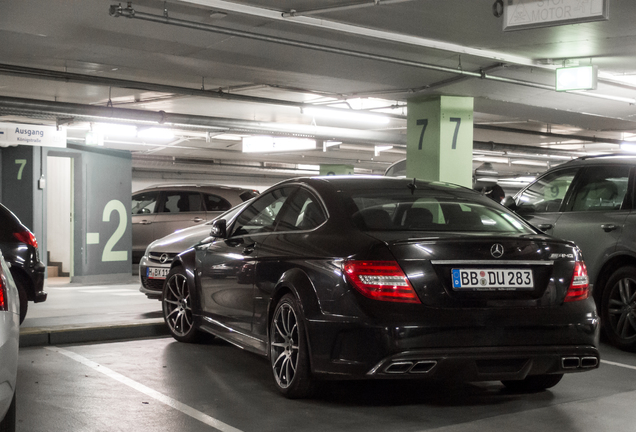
{"x":440,"y":139}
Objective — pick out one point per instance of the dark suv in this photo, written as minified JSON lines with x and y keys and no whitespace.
{"x":590,"y":201}
{"x":20,"y":250}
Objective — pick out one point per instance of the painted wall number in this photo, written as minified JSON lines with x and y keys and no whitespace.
{"x":457,"y":121}
{"x":22,"y":163}
{"x":109,"y":254}
{"x":424,"y":124}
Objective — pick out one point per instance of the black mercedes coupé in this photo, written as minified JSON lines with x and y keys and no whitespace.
{"x":373,"y":277}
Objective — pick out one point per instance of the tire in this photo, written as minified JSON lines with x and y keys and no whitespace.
{"x":21,"y":285}
{"x":533,"y":383}
{"x":8,"y":422}
{"x":618,"y":308}
{"x":288,"y":350}
{"x":176,"y":304}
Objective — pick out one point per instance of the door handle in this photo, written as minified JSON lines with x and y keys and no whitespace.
{"x":248,"y":250}
{"x":609,"y":227}
{"x":544,"y":227}
{"x":146,"y":222}
{"x":197,"y":219}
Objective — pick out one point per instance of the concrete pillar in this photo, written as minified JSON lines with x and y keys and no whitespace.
{"x":440,"y":139}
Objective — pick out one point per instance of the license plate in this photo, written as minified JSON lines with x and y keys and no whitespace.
{"x":157,"y":272}
{"x":492,"y":279}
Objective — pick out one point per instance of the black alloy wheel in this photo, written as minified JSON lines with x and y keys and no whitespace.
{"x":618,"y":310}
{"x":177,"y":307}
{"x":533,"y":383}
{"x":288,"y":350}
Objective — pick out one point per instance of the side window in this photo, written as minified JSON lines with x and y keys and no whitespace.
{"x":216,"y":203}
{"x":303,"y":213}
{"x":601,"y":189}
{"x":144,"y":203}
{"x":261,"y":215}
{"x":179,"y":202}
{"x":546,"y":194}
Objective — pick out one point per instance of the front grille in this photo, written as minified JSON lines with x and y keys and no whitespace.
{"x":152,"y":284}
{"x":156,"y":257}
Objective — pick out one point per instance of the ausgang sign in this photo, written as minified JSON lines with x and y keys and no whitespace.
{"x":33,"y":135}
{"x":525,"y":14}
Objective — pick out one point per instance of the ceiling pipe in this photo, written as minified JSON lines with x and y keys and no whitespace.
{"x":549,"y":134}
{"x":368,"y":32}
{"x":77,"y":78}
{"x":94,"y":113}
{"x":81,"y":112}
{"x":294,"y":13}
{"x":129,"y":12}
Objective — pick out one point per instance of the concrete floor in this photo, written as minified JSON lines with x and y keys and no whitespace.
{"x":162,"y":385}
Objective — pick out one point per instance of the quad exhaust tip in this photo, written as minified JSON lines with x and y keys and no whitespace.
{"x":579,"y":362}
{"x":413,"y":367}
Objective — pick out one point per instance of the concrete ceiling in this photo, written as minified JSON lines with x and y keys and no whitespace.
{"x":232,"y":69}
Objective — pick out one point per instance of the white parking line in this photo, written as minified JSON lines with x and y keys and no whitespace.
{"x":618,"y":364}
{"x":185,"y":409}
{"x":107,"y":290}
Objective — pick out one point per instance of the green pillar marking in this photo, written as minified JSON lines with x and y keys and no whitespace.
{"x":440,"y":139}
{"x":329,"y":169}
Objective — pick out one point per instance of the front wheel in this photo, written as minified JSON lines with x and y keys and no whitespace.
{"x":618,"y":308}
{"x":533,"y":383}
{"x":177,"y":307}
{"x":289,"y":354}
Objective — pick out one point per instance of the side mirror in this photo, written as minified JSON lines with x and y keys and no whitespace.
{"x":510,"y":203}
{"x":219,"y":228}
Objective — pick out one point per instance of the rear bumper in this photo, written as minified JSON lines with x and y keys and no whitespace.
{"x":37,"y":276}
{"x":487,"y":364}
{"x":493,"y":349}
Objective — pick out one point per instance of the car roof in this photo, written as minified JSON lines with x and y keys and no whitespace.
{"x":613,"y":159}
{"x":374,"y":182}
{"x":192,"y":186}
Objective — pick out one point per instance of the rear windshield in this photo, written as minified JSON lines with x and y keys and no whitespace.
{"x":426,"y":211}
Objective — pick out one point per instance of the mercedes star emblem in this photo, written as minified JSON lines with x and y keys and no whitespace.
{"x":497,"y":250}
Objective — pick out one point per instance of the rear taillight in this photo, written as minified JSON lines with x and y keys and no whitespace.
{"x":380,"y":280}
{"x":579,"y":287}
{"x":3,"y":294}
{"x":26,"y":237}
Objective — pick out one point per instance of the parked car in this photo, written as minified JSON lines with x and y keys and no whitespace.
{"x":9,"y":342}
{"x":590,"y":201}
{"x":160,"y":210}
{"x":20,"y":249}
{"x":155,"y":264}
{"x":377,"y":277}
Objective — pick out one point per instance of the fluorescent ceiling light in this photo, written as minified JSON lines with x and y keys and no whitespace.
{"x":528,"y":162}
{"x":487,"y":179}
{"x":155,"y":133}
{"x":263,"y":144}
{"x":628,"y":147}
{"x":308,"y":167}
{"x":491,"y":159}
{"x":113,"y":129}
{"x":347,"y":115}
{"x":576,"y":78}
{"x":228,"y":137}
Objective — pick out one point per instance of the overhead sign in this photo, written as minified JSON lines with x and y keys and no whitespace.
{"x":33,"y":135}
{"x":527,"y":14}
